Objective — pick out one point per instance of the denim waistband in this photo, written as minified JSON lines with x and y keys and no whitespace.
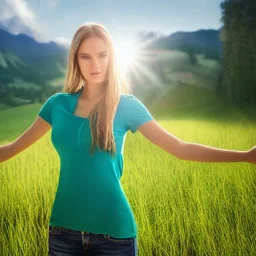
{"x":61,"y":229}
{"x":75,"y":231}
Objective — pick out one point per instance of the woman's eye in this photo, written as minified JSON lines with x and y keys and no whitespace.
{"x":86,"y":57}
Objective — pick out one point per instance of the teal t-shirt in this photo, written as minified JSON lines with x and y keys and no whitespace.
{"x":89,"y":195}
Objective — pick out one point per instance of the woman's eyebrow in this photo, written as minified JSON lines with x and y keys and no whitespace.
{"x":89,"y":54}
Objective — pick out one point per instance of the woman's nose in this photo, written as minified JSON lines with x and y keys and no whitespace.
{"x":95,"y":65}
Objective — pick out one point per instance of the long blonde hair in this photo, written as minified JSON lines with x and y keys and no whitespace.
{"x":102,"y":116}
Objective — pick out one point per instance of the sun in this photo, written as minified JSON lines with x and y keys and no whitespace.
{"x":126,"y":55}
{"x":134,"y":58}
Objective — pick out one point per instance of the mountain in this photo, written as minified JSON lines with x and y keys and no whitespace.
{"x":48,"y":59}
{"x":205,"y":39}
{"x":201,"y":41}
{"x":27,"y":68}
{"x":11,"y":66}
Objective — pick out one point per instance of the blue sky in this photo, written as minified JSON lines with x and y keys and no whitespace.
{"x":58,"y":20}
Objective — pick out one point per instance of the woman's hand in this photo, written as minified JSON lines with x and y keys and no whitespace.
{"x":251,"y":156}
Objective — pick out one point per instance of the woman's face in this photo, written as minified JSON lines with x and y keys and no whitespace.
{"x":93,"y":57}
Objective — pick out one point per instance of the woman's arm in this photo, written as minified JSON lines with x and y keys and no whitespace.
{"x":192,"y":151}
{"x":37,"y":130}
{"x":202,"y":153}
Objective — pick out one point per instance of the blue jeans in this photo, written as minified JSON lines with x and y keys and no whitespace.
{"x":68,"y":242}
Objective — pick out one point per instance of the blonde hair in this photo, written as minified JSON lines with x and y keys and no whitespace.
{"x":102,"y":116}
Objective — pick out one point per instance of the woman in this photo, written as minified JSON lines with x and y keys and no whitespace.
{"x":91,"y":214}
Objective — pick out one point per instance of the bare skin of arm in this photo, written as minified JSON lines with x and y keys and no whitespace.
{"x":192,"y":151}
{"x":36,"y":131}
{"x":150,"y":130}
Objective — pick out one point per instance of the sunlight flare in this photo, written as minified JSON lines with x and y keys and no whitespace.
{"x":126,"y":55}
{"x":135,"y":61}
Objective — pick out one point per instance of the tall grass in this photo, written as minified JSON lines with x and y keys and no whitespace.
{"x":181,"y":207}
{"x":193,"y":208}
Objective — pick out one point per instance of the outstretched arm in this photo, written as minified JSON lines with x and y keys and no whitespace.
{"x":202,"y":153}
{"x":37,"y":130}
{"x":192,"y":151}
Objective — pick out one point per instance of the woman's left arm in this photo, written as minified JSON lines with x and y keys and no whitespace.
{"x":192,"y":151}
{"x":202,"y":153}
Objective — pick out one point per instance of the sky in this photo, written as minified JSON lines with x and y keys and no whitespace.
{"x":57,"y":20}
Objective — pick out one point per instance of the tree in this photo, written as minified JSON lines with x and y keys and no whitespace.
{"x":239,"y":55}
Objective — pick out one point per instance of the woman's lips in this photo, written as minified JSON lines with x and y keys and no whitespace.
{"x":96,"y":73}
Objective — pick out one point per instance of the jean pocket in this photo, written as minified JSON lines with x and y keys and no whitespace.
{"x":119,"y":240}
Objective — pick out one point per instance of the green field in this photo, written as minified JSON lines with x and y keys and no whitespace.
{"x":181,"y":207}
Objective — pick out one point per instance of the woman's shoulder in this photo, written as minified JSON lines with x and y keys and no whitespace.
{"x":63,"y":95}
{"x":61,"y":99}
{"x":126,"y":97}
{"x":129,"y":102}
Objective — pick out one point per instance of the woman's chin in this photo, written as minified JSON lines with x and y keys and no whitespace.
{"x":96,"y":81}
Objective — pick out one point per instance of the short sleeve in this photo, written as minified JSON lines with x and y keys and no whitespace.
{"x":136,"y":113}
{"x":46,"y":109}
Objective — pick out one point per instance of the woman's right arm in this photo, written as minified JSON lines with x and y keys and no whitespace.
{"x":37,"y":130}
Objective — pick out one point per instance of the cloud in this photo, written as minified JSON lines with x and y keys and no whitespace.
{"x":16,"y":17}
{"x":62,"y":41}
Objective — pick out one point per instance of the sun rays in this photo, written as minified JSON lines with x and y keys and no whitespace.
{"x":133,"y":57}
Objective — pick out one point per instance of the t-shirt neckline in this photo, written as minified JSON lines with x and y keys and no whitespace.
{"x":77,"y":94}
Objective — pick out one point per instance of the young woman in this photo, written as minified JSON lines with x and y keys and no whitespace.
{"x":89,"y":119}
